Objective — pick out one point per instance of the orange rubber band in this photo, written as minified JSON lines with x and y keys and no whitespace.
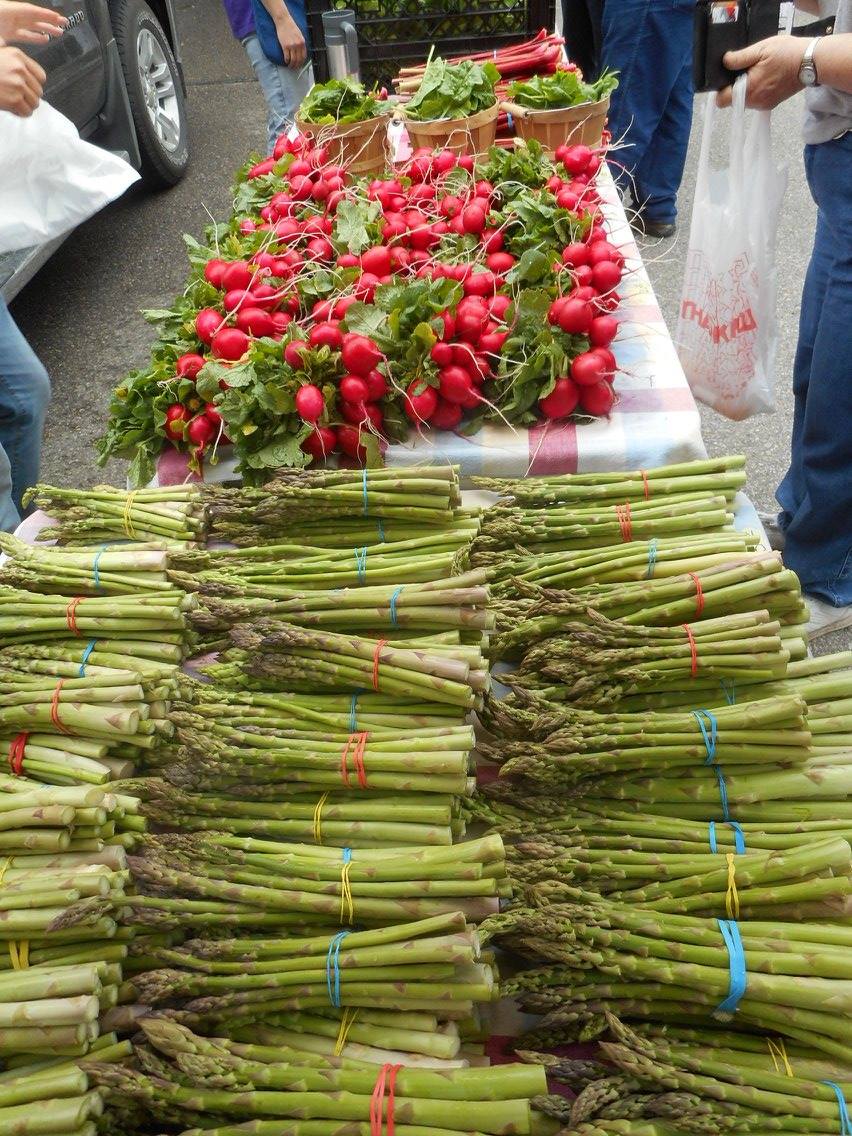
{"x":54,"y":708}
{"x":71,"y":615}
{"x":392,"y":1072}
{"x":625,"y":521}
{"x":692,"y":649}
{"x":357,"y":743}
{"x":17,"y":746}
{"x":699,"y":595}
{"x":376,"y":659}
{"x":386,"y":1078}
{"x":646,"y":485}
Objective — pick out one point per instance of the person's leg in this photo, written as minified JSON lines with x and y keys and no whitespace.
{"x":819,"y":532}
{"x":283,"y":89}
{"x":24,"y":397}
{"x":9,"y":516}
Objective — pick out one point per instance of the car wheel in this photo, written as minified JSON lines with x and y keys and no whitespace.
{"x":155,"y":92}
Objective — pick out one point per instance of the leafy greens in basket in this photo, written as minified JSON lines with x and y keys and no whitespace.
{"x":564,"y":88}
{"x":453,"y":90}
{"x":340,"y":101}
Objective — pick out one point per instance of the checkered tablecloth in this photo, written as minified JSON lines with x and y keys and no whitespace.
{"x":654,"y":422}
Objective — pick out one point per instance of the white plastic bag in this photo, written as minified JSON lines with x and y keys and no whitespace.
{"x":50,"y":179}
{"x":727,"y":329}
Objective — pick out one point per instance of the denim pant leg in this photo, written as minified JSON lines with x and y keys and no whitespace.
{"x":649,"y":42}
{"x":24,"y":397}
{"x":816,"y":494}
{"x":283,"y":89}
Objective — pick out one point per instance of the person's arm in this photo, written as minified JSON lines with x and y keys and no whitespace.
{"x":28,"y":23}
{"x":291,"y":39}
{"x":773,"y":68}
{"x":21,"y":81}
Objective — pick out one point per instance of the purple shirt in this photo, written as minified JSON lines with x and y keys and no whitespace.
{"x":240,"y":17}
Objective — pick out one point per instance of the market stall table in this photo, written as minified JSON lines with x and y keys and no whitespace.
{"x":654,"y":422}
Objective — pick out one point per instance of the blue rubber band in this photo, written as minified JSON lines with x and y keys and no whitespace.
{"x":730,"y":692}
{"x":723,"y":793}
{"x":511,"y":121}
{"x":709,"y":738}
{"x":380,"y":525}
{"x":652,"y":558}
{"x":347,"y":855}
{"x":736,"y":965}
{"x":845,"y":1123}
{"x":353,"y":712}
{"x":393,"y":600}
{"x":90,"y":646}
{"x":96,"y":576}
{"x":364,"y":482}
{"x":361,"y":563}
{"x":332,"y":969}
{"x":739,"y":836}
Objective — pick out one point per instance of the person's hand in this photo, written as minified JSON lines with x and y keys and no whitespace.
{"x":292,"y":41}
{"x":773,"y":71}
{"x":29,"y":23}
{"x":21,"y":81}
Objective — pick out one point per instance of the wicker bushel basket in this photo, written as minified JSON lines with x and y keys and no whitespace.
{"x":360,"y":145}
{"x":471,"y":135}
{"x":577,"y":124}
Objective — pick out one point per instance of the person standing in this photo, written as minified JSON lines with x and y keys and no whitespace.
{"x":24,"y":385}
{"x":284,"y":85}
{"x":816,"y":493}
{"x":649,"y":43}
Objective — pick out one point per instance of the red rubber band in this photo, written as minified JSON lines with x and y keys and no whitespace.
{"x":17,"y":746}
{"x":392,"y":1072}
{"x":645,"y":483}
{"x":699,"y":595}
{"x":625,"y":521}
{"x":381,"y":643}
{"x":376,"y":1102}
{"x":71,"y":615}
{"x":692,"y":649}
{"x":54,"y":708}
{"x":357,"y":743}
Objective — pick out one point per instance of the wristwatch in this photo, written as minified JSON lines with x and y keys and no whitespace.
{"x":807,"y":72}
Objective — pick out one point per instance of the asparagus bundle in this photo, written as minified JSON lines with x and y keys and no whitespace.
{"x":422,"y":495}
{"x":172,"y":514}
{"x":651,"y":965}
{"x":198,"y":881}
{"x":723,"y":475}
{"x":118,"y":569}
{"x":302,"y":659}
{"x":752,"y":582}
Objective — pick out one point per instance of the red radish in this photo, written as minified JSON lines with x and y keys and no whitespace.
{"x":576,"y":159}
{"x":322,"y":309}
{"x":301,"y":187}
{"x":576,"y":254}
{"x":319,"y":248}
{"x":318,"y":157}
{"x":575,"y":317}
{"x":456,"y":383}
{"x":207,"y":323}
{"x":399,"y":258}
{"x":177,"y":416}
{"x":247,"y":226}
{"x":554,"y":310}
{"x":201,"y":430}
{"x":492,"y":240}
{"x":470,"y":323}
{"x":377,"y":386}
{"x":606,"y":275}
{"x":603,"y":250}
{"x":583,"y":275}
{"x":294,"y":352}
{"x":261,"y":168}
{"x":394,"y":230}
{"x":347,"y":260}
{"x":484,"y":189}
{"x":360,"y":354}
{"x":603,"y":330}
{"x":237,"y":274}
{"x":213,"y":271}
{"x":561,"y":401}
{"x":211,"y":411}
{"x":473,"y":219}
{"x":354,"y":412}
{"x":499,"y":305}
{"x":343,"y":305}
{"x":447,"y":415}
{"x":609,"y":362}
{"x":321,"y":442}
{"x":236,"y":298}
{"x":230,"y":343}
{"x":366,"y":285}
{"x":567,"y":199}
{"x":299,"y":168}
{"x":587,"y":369}
{"x":500,"y":261}
{"x":326,"y":335}
{"x":585,"y":293}
{"x":421,"y":406}
{"x":597,"y":399}
{"x":309,"y":402}
{"x":465,"y":162}
{"x":377,"y":260}
{"x":449,"y":322}
{"x":443,"y":161}
{"x":188,"y":366}
{"x":320,"y":191}
{"x":481,"y":283}
{"x":492,"y":342}
{"x":255,"y":321}
{"x":424,"y":191}
{"x":349,"y":441}
{"x":480,"y":368}
{"x":554,"y":183}
{"x":353,"y":389}
{"x":280,"y":320}
{"x":441,"y":354}
{"x":450,"y":205}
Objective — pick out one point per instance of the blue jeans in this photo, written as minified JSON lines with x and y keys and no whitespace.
{"x":816,"y":493}
{"x":650,"y":43}
{"x":283,"y":88}
{"x":24,"y":397}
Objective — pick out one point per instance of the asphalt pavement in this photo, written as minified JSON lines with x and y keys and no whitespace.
{"x":81,"y":313}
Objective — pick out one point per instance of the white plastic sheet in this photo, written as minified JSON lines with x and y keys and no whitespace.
{"x":50,"y":179}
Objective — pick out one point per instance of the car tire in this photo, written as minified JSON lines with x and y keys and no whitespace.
{"x":155,"y":91}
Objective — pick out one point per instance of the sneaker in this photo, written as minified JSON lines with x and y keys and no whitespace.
{"x":823,"y":617}
{"x":774,"y":533}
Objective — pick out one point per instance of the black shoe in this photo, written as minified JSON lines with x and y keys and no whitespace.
{"x":658,"y":229}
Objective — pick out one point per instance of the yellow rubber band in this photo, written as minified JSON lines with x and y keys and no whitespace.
{"x":346,"y":1023}
{"x":347,"y":907}
{"x":777,"y":1050}
{"x":19,"y":953}
{"x":4,"y":868}
{"x":320,"y":805}
{"x":732,"y":899}
{"x":129,"y":530}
